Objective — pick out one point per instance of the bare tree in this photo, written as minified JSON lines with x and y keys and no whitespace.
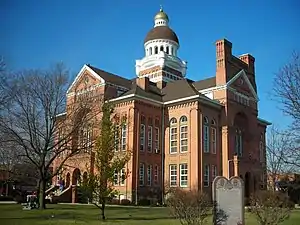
{"x":286,"y":90}
{"x":278,"y":144}
{"x":110,"y":159}
{"x":190,"y":207}
{"x":270,"y":207}
{"x":30,"y":121}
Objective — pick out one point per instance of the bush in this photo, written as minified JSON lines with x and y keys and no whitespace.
{"x":125,"y":202}
{"x":6,"y":198}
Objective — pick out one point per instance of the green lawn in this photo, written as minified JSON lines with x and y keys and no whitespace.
{"x":85,"y":214}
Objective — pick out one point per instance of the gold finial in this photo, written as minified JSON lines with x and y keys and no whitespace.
{"x":161,"y":8}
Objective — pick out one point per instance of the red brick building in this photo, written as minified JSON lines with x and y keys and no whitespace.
{"x":182,"y":132}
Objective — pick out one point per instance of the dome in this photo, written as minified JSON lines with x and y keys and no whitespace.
{"x":161,"y":32}
{"x":161,"y":15}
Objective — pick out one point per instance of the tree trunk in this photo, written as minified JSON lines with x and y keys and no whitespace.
{"x":41,"y":197}
{"x":103,"y":210}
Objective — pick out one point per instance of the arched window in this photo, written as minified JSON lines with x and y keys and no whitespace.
{"x":167,"y":49}
{"x":161,"y":48}
{"x":173,"y":135}
{"x":213,"y":137}
{"x":150,"y":50}
{"x":261,"y":148}
{"x":238,"y":142}
{"x":183,"y":134}
{"x":205,"y":135}
{"x":155,"y":50}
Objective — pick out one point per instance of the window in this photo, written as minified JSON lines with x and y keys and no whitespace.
{"x":183,"y":175}
{"x":206,"y":176}
{"x":173,"y":135}
{"x":116,"y":176}
{"x":124,"y":137}
{"x":149,"y":135}
{"x":155,"y":174}
{"x":116,"y":138}
{"x":261,"y":148}
{"x":206,"y":135}
{"x":238,"y":142}
{"x":173,"y":175}
{"x":150,"y":51}
{"x":161,"y":48}
{"x":214,"y":140}
{"x":149,"y":175}
{"x":155,"y":50}
{"x":142,"y":134}
{"x":156,"y":140}
{"x":183,"y":134}
{"x":167,"y":49}
{"x":122,"y":177}
{"x":213,"y":172}
{"x":142,"y":174}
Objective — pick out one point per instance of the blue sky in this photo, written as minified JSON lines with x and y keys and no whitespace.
{"x":109,"y":35}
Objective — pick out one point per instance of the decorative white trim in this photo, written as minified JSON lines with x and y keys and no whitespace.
{"x":61,"y":114}
{"x":264,"y":121}
{"x":181,"y":99}
{"x":162,"y":41}
{"x":81,"y":73}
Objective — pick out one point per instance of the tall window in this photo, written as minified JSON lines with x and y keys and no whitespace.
{"x":116,"y":178}
{"x":155,"y":175}
{"x":173,"y":175}
{"x":156,"y":140}
{"x":155,"y":50}
{"x":206,"y":176}
{"x":142,"y":134}
{"x":261,"y":148}
{"x":124,"y":137}
{"x":173,"y":135}
{"x":183,"y":134}
{"x":149,"y":175}
{"x":238,"y":142}
{"x":122,"y":177}
{"x":213,"y":137}
{"x":184,"y":175}
{"x":206,"y":135}
{"x":167,"y":49}
{"x":213,"y":172}
{"x":117,"y":141}
{"x":142,"y":174}
{"x":149,"y":135}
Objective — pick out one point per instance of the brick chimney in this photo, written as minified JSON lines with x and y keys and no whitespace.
{"x":249,"y":60}
{"x":143,"y":83}
{"x":223,"y":55}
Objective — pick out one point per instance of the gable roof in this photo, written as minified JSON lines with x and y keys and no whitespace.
{"x":178,"y":89}
{"x":243,"y":74}
{"x":206,"y":83}
{"x":112,"y":78}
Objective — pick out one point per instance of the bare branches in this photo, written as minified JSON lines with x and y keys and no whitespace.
{"x":30,"y":121}
{"x":188,"y":206}
{"x":287,"y":89}
{"x":270,"y":208}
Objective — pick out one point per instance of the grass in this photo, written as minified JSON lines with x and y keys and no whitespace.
{"x":88,"y":214}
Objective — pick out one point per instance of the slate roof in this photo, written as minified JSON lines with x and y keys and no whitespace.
{"x":172,"y":91}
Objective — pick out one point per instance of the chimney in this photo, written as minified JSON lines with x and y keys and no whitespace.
{"x":249,"y":60}
{"x":223,"y":55}
{"x":143,"y":83}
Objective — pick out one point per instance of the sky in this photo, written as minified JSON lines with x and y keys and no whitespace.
{"x":109,"y":35}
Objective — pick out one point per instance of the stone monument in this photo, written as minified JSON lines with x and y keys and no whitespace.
{"x":228,"y":197}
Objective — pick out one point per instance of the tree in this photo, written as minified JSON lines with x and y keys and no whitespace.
{"x":30,"y":121}
{"x":190,"y":207}
{"x":286,"y":90}
{"x":276,"y":155}
{"x":107,"y":161}
{"x":270,"y":207}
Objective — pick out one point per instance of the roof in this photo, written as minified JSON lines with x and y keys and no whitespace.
{"x":112,"y":78}
{"x":161,"y":32}
{"x":207,"y":83}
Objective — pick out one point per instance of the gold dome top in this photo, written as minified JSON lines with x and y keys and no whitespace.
{"x":161,"y":15}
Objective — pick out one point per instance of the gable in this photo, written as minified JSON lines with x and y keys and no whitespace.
{"x":86,"y":76}
{"x":241,"y":83}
